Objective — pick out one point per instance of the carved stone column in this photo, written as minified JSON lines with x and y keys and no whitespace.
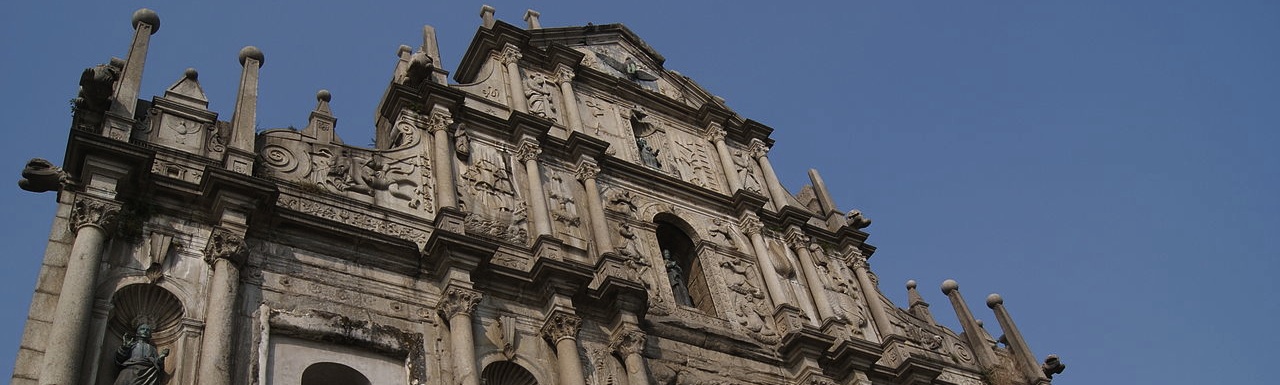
{"x":438,"y":123}
{"x":800,"y":243}
{"x":628,"y":342}
{"x":871,"y":295}
{"x":91,"y":220}
{"x":776,"y":193}
{"x":509,"y":56}
{"x":562,"y":330}
{"x":457,"y":306}
{"x":226,"y":253}
{"x":564,"y":76}
{"x":752,"y":227}
{"x":528,"y":153}
{"x":586,"y":173}
{"x":715,"y":134}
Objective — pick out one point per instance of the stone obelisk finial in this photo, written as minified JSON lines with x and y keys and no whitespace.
{"x":240,"y":151}
{"x":145,"y":23}
{"x":916,"y":304}
{"x":973,"y":332}
{"x":531,"y":17}
{"x":1023,"y":359}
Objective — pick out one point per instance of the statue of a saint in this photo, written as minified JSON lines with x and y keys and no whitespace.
{"x":648,"y":154}
{"x":676,"y":275}
{"x":139,"y":361}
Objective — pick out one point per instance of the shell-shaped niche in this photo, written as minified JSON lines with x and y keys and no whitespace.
{"x":507,"y":373}
{"x":135,"y":303}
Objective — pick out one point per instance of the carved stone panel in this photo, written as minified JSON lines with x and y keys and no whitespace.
{"x":487,"y":193}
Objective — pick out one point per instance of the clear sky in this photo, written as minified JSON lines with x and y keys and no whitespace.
{"x":1107,"y":166}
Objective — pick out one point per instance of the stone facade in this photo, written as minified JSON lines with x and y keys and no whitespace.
{"x":567,"y":212}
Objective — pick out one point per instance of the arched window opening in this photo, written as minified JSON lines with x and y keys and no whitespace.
{"x":331,"y":373}
{"x":684,"y":269}
{"x":506,"y":373}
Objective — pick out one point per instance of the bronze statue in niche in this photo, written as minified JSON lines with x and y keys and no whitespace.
{"x":139,"y":361}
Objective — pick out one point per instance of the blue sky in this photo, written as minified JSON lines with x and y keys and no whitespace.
{"x":1108,"y":167}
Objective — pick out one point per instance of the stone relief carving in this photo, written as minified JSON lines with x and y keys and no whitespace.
{"x":487,"y":193}
{"x":621,"y":201}
{"x":538,"y":89}
{"x":746,"y":172}
{"x":692,"y":163}
{"x":353,"y":218}
{"x":564,"y":209}
{"x":750,"y":311}
{"x":840,"y":290}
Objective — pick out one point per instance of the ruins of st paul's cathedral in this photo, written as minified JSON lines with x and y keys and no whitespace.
{"x":566,"y":211}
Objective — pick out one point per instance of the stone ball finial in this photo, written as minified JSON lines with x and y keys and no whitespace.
{"x":911,"y":284}
{"x":324,"y":96}
{"x":252,"y":52}
{"x":146,"y":15}
{"x":191,"y":73}
{"x":993,"y":300}
{"x":404,"y":49}
{"x":979,"y":322}
{"x":949,"y":286}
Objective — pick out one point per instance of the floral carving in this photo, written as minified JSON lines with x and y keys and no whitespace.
{"x":459,"y":301}
{"x":527,"y":151}
{"x":87,"y":211}
{"x":561,"y":325}
{"x":628,"y":341}
{"x":225,"y":244}
{"x":510,"y":54}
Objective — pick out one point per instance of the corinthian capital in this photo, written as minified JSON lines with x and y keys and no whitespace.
{"x":510,"y":54}
{"x":758,"y":148}
{"x":859,"y":262}
{"x":564,"y":74}
{"x":796,"y":239}
{"x":89,"y":211}
{"x":750,"y":225}
{"x":715,"y":133}
{"x":459,"y":301}
{"x":225,"y":244}
{"x":628,"y":341}
{"x":528,"y":150}
{"x":561,"y":325}
{"x":439,"y":119}
{"x":587,"y":170}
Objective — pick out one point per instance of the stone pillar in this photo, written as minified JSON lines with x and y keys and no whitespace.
{"x":872,"y":295}
{"x":715,"y":134}
{"x":509,"y":56}
{"x":486,"y":16}
{"x":457,"y":306}
{"x":528,"y":153}
{"x":752,"y":227}
{"x":800,"y":243}
{"x":561,"y":329}
{"x":972,"y":329}
{"x":776,"y":193}
{"x":438,"y":123}
{"x":564,"y":76}
{"x":240,"y":152}
{"x":91,"y":219}
{"x":531,"y":17}
{"x":225,"y":254}
{"x":628,"y":343}
{"x":1023,"y":359}
{"x":587,"y":170}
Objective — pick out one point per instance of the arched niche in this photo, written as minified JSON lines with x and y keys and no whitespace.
{"x":506,"y":373}
{"x":332,"y":373}
{"x":685,"y":272}
{"x":131,"y":305}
